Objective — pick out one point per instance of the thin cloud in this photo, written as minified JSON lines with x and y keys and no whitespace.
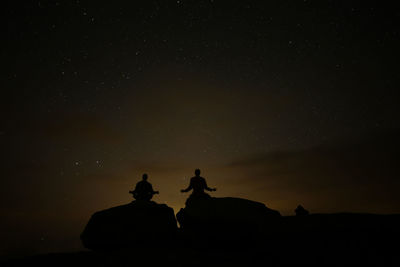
{"x":346,"y":175}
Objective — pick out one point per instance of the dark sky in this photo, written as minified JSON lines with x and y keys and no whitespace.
{"x":283,"y":102}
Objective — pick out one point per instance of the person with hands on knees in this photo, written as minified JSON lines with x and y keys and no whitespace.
{"x":198,"y":184}
{"x":143,"y":190}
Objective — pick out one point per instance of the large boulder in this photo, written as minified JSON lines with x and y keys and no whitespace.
{"x":134,"y":224}
{"x":226,"y":218}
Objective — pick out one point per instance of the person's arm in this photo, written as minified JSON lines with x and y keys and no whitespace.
{"x":137,"y":188}
{"x":134,"y":191}
{"x":188,"y":188}
{"x":152,"y":191}
{"x":208,"y":188}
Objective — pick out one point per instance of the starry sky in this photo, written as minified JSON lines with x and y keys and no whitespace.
{"x":282,"y":102}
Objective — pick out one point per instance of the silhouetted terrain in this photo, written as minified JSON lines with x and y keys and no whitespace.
{"x":134,"y":224}
{"x":226,"y":220}
{"x":228,"y":232}
{"x":317,"y":239}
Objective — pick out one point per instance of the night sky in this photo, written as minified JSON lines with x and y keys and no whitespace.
{"x":282,"y":102}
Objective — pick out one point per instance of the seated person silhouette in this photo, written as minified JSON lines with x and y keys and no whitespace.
{"x":143,"y":190}
{"x":198,"y":184}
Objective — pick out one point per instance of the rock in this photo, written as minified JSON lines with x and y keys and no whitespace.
{"x":134,"y":224}
{"x":226,"y":218}
{"x":301,"y":211}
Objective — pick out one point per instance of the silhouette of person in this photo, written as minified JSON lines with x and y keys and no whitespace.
{"x":143,"y":190}
{"x":198,"y":184}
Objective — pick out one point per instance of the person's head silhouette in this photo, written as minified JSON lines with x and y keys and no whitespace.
{"x":144,"y":177}
{"x":197,"y":172}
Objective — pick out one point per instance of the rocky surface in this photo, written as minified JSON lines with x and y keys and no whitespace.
{"x":226,"y":218}
{"x":340,"y":239}
{"x":136,"y":223}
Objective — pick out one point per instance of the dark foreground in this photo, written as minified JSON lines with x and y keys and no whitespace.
{"x":319,"y":239}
